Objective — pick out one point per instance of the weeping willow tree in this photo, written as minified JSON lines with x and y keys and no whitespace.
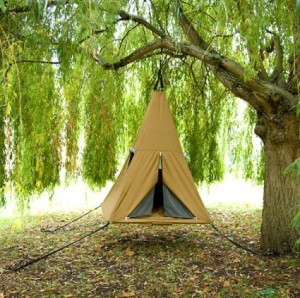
{"x":77,"y":73}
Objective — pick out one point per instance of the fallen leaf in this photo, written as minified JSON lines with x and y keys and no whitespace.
{"x":128,"y":294}
{"x":201,"y":255}
{"x":226,"y":284}
{"x":179,"y":290}
{"x":94,"y":54}
{"x":16,"y":226}
{"x":129,"y":252}
{"x":236,"y":278}
{"x":2,"y":295}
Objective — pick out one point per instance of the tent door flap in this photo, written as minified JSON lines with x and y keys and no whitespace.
{"x":160,"y":197}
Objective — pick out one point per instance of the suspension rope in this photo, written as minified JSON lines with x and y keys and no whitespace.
{"x":68,"y":223}
{"x":159,"y":80}
{"x":159,"y":74}
{"x":235,"y":243}
{"x":22,"y":265}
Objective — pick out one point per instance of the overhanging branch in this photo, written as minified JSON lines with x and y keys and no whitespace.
{"x":215,"y":61}
{"x":260,"y":85}
{"x":265,"y":91}
{"x":279,"y":56}
{"x":134,"y":56}
{"x":126,"y":17}
{"x":191,"y":32}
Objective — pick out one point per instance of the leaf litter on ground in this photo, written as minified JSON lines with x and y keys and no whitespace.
{"x":144,"y":260}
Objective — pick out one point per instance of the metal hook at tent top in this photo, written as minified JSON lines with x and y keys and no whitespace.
{"x":159,"y":75}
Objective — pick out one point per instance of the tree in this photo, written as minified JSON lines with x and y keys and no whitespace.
{"x":211,"y":50}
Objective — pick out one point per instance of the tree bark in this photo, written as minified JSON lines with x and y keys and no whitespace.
{"x":281,"y":192}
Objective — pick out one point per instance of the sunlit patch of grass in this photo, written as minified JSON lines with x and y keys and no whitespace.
{"x":74,"y":197}
{"x":232,"y":194}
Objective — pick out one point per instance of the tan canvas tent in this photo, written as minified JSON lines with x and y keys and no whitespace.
{"x":155,"y":184}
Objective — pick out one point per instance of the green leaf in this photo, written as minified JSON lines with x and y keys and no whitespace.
{"x":268,"y":292}
{"x":298,"y":109}
{"x":293,"y":168}
{"x":296,"y":219}
{"x":39,"y":9}
{"x":298,"y":6}
{"x":2,"y":6}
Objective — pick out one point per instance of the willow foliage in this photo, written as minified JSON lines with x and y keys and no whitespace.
{"x":35,"y":118}
{"x":100,"y":134}
{"x":2,"y":155}
{"x":195,"y":110}
{"x":72,"y":105}
{"x":61,"y":112}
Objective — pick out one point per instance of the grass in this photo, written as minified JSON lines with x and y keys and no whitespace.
{"x":143,"y":260}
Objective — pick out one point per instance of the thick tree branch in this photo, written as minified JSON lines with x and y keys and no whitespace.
{"x":126,"y":17}
{"x":259,"y":93}
{"x":259,"y":85}
{"x":134,"y":56}
{"x":242,"y":91}
{"x":191,"y":32}
{"x":219,"y":65}
{"x":244,"y":11}
{"x":279,"y":56}
{"x":233,"y":68}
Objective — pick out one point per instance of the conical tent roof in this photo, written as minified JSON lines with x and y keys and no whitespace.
{"x":156,"y":147}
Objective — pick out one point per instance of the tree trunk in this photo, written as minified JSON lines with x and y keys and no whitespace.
{"x":281,"y":192}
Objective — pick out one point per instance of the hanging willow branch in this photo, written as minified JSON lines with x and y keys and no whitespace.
{"x":126,"y":17}
{"x":29,"y":8}
{"x":27,"y":61}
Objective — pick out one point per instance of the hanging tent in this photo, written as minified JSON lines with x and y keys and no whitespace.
{"x":155,"y":184}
